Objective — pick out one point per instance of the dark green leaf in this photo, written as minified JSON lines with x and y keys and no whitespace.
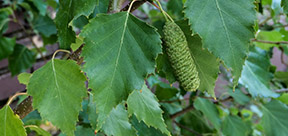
{"x":195,"y":121}
{"x":225,"y":32}
{"x":117,"y":123}
{"x":144,"y":105}
{"x":165,"y":92}
{"x":21,"y":59}
{"x":6,"y":46}
{"x":92,"y":115}
{"x":284,"y":4}
{"x":82,"y":131}
{"x":256,"y":75}
{"x":209,"y":110}
{"x":282,"y":77}
{"x":44,"y":25}
{"x":235,"y":126}
{"x":117,"y":56}
{"x":68,"y":10}
{"x":11,"y":125}
{"x":143,"y":129}
{"x":274,"y":120}
{"x":58,"y":86}
{"x":41,"y":6}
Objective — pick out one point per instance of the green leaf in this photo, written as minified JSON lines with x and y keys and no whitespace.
{"x":41,"y":6}
{"x":68,"y":10}
{"x":209,"y":110}
{"x":195,"y":121}
{"x":117,"y":56}
{"x":281,"y":76}
{"x":274,"y":120}
{"x":92,"y":115}
{"x":207,"y":64}
{"x":58,"y":86}
{"x":102,"y":7}
{"x":239,"y":96}
{"x":256,"y":75}
{"x":273,"y":36}
{"x":224,"y":32}
{"x":38,"y":130}
{"x":44,"y":25}
{"x":143,"y":129}
{"x":6,"y":46}
{"x":11,"y":125}
{"x":164,"y":91}
{"x":4,"y":18}
{"x":164,"y":67}
{"x":283,"y":98}
{"x":144,"y":105}
{"x":82,"y":131}
{"x":117,"y":123}
{"x":24,"y":78}
{"x":21,"y":59}
{"x":175,"y":6}
{"x":234,"y":126}
{"x":284,"y":4}
{"x":77,"y":44}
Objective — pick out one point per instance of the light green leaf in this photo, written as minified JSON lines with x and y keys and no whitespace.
{"x":273,"y":36}
{"x":117,"y":123}
{"x":281,"y":77}
{"x":117,"y":56}
{"x":11,"y":125}
{"x":24,"y":78}
{"x":207,"y":64}
{"x":209,"y":110}
{"x":38,"y":130}
{"x":6,"y":46}
{"x":21,"y":59}
{"x":144,"y":105}
{"x":225,"y":32}
{"x":284,"y":4}
{"x":58,"y":86}
{"x":283,"y":98}
{"x":68,"y":10}
{"x":274,"y":120}
{"x":256,"y":75}
{"x":235,"y":126}
{"x":77,"y":44}
{"x":44,"y":25}
{"x":143,"y":129}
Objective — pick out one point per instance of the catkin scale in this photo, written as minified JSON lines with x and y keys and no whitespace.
{"x":179,"y":56}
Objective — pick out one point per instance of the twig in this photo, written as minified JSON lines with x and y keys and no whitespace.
{"x":263,"y":22}
{"x":136,"y":5}
{"x":281,"y":26}
{"x":177,"y":114}
{"x":270,"y":42}
{"x":177,"y":100}
{"x":282,"y":56}
{"x":29,"y":36}
{"x":14,"y":96}
{"x":281,"y":90}
{"x":188,"y":129}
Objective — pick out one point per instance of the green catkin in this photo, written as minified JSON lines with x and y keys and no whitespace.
{"x":180,"y":58}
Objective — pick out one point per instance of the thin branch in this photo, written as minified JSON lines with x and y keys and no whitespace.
{"x":30,"y":37}
{"x":188,"y":129}
{"x":177,"y":114}
{"x":280,"y":26}
{"x":270,"y":42}
{"x":266,"y":20}
{"x":14,"y":96}
{"x":281,"y":90}
{"x":136,"y":5}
